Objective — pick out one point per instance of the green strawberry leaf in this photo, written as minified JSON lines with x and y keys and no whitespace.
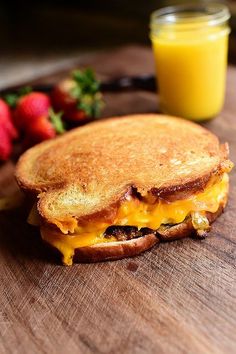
{"x":76,"y":92}
{"x":12,"y":98}
{"x":24,"y":90}
{"x":55,"y":119}
{"x":87,"y":92}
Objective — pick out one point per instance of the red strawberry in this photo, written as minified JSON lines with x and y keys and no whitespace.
{"x":5,"y":144}
{"x":61,"y":95}
{"x":64,"y":101}
{"x":41,"y":129}
{"x":78,"y":97}
{"x":30,"y":107}
{"x":6,"y":120}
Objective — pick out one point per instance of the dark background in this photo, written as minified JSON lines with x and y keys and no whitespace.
{"x":42,"y":36}
{"x":65,"y":26}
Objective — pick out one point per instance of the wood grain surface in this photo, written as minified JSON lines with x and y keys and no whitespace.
{"x":179,"y":297}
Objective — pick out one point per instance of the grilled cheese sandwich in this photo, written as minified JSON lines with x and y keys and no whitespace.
{"x":114,"y":188}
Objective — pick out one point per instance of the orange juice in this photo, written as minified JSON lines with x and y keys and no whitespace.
{"x":190,"y":54}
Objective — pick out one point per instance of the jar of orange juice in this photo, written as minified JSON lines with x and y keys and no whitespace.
{"x":190,"y":44}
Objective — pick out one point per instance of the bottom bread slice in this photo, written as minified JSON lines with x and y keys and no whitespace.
{"x":129,"y":248}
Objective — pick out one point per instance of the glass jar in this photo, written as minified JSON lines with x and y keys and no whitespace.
{"x":190,"y":44}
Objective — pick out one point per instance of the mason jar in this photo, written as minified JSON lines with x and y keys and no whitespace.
{"x":190,"y":45}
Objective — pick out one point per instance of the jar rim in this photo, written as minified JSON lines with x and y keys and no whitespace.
{"x":212,"y":13}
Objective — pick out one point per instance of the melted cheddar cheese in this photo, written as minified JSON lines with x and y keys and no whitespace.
{"x":138,"y":213}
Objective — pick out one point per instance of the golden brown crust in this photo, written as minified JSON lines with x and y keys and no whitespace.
{"x":115,"y":250}
{"x":84,"y":172}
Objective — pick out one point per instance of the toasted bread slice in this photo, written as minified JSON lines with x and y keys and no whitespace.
{"x":86,"y":172}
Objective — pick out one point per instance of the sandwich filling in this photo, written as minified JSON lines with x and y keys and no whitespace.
{"x":141,"y":214}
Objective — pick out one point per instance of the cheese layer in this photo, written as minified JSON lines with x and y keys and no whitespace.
{"x":134,"y":212}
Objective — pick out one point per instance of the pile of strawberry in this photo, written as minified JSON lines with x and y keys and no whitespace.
{"x":31,"y":117}
{"x":8,"y":132}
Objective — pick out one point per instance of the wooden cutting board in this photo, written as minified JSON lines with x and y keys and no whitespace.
{"x":180,"y":297}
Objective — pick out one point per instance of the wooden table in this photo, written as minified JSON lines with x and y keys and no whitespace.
{"x":179,"y":297}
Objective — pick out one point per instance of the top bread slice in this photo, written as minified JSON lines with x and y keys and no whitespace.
{"x":89,"y":169}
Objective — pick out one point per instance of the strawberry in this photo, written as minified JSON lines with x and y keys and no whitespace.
{"x":78,"y":97}
{"x":43,"y":128}
{"x":6,"y":120}
{"x":5,"y":144}
{"x":30,"y":107}
{"x":61,"y":97}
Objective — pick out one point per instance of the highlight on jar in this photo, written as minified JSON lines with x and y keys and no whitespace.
{"x":190,"y":45}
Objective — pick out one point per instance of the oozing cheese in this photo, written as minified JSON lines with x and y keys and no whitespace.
{"x":138,"y":213}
